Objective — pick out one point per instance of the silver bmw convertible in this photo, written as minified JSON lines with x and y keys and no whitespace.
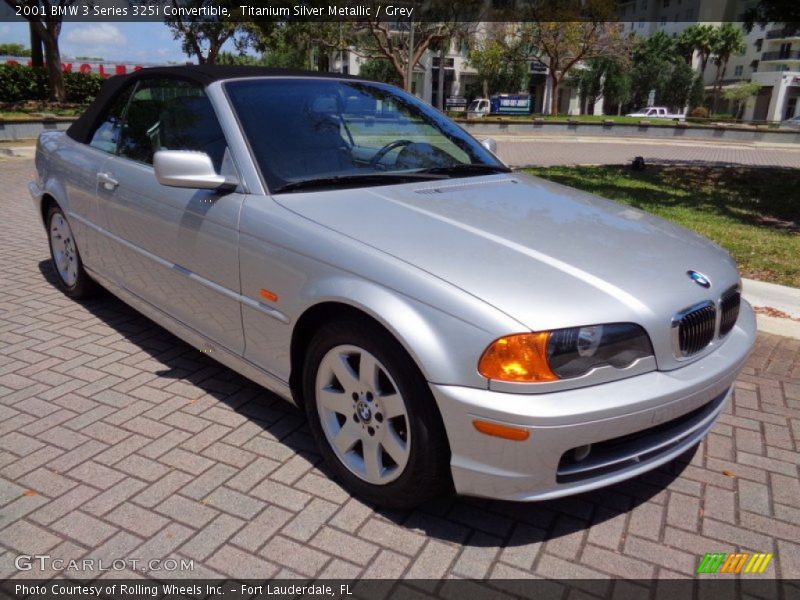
{"x":445,"y":323}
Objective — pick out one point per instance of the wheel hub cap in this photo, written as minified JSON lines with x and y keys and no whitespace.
{"x":363,"y":415}
{"x":364,"y":411}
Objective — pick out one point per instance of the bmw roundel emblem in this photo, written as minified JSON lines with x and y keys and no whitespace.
{"x":699,"y":279}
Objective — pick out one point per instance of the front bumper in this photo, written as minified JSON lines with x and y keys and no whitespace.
{"x":670,"y":410}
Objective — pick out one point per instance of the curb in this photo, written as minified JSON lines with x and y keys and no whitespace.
{"x":773,"y":298}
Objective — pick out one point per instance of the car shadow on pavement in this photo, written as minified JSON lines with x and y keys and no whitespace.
{"x":463,"y":520}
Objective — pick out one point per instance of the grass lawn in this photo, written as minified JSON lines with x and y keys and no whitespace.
{"x":35,"y":114}
{"x":622,"y":119}
{"x":578,"y":118}
{"x":753,"y":212}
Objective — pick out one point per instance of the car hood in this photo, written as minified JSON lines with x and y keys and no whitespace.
{"x":547,"y":255}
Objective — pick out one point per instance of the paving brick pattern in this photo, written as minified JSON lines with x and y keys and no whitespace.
{"x":118,"y":440}
{"x":546,"y":152}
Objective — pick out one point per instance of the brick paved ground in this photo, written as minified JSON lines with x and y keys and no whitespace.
{"x":544,"y":151}
{"x":118,"y":440}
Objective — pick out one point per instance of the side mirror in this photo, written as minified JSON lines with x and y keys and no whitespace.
{"x":490,"y":144}
{"x":189,"y":169}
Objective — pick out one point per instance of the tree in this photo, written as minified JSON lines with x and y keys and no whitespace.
{"x":739,"y":94}
{"x":728,"y":40}
{"x":659,"y":65}
{"x":300,"y":44}
{"x":763,"y":12}
{"x":203,"y":37}
{"x":697,"y":94}
{"x":14,"y":50}
{"x":698,"y":38}
{"x":48,"y":29}
{"x":561,"y":33}
{"x":501,"y":63}
{"x":241,"y":59}
{"x":617,"y":86}
{"x":404,"y":45}
{"x":653,"y":59}
{"x":675,"y":89}
{"x":379,"y":69}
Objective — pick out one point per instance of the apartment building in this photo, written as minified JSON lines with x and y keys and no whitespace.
{"x":771,"y":58}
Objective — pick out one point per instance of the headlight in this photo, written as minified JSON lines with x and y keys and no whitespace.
{"x":564,"y":353}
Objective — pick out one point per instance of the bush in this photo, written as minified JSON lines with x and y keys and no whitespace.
{"x":699,"y":112}
{"x":82,"y":87}
{"x":20,"y":83}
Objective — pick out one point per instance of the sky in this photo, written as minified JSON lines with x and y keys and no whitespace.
{"x":128,"y":42}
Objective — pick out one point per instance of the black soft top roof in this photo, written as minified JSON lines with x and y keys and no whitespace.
{"x":83,"y":128}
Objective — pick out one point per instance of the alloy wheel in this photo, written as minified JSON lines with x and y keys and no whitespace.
{"x":65,"y":254}
{"x":363,"y":414}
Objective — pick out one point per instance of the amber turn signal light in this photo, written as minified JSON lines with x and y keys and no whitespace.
{"x":502,"y":431}
{"x":521,"y":358}
{"x":268,"y":295}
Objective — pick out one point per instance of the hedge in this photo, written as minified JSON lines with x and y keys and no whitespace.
{"x":19,"y":83}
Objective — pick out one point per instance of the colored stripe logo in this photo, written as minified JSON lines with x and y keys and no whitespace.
{"x":742,"y":562}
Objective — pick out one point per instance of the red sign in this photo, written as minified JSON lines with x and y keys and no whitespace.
{"x":103,"y":69}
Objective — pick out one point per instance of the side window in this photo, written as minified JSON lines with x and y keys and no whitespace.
{"x":106,"y":136}
{"x":169,"y":114}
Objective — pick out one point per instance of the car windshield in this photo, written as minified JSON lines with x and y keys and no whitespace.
{"x":474,"y":105}
{"x":344,"y":133}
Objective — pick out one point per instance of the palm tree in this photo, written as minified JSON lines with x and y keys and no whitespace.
{"x":700,"y":38}
{"x":728,"y":40}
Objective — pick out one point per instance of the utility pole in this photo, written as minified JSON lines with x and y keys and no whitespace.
{"x":440,"y":82}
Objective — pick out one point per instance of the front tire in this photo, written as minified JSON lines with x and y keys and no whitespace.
{"x":72,"y":277}
{"x":373,"y":416}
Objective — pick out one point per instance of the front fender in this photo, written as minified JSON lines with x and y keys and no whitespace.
{"x":444,"y":347}
{"x":303,"y":264}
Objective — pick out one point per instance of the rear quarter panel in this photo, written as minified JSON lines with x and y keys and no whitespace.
{"x":66,"y":171}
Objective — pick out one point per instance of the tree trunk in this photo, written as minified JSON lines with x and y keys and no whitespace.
{"x":37,"y":58}
{"x":213,"y":52}
{"x":717,"y":87}
{"x":554,"y":94}
{"x":404,"y":80}
{"x":55,"y":76}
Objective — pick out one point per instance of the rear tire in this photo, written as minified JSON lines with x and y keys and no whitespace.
{"x":72,"y":277}
{"x":373,"y":416}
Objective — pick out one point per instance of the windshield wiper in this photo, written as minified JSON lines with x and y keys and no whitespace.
{"x":362,"y":178}
{"x":464,"y":169}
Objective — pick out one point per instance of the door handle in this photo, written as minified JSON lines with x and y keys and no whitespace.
{"x":107,"y":180}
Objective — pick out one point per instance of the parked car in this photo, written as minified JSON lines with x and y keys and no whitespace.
{"x":445,"y":323}
{"x":793,"y":123}
{"x":478,"y":108}
{"x":656,"y":112}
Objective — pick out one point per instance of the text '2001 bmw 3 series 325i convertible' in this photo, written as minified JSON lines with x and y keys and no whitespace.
{"x":445,"y":323}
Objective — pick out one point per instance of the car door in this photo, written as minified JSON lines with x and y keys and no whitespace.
{"x":175,"y":248}
{"x":78,"y":174}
